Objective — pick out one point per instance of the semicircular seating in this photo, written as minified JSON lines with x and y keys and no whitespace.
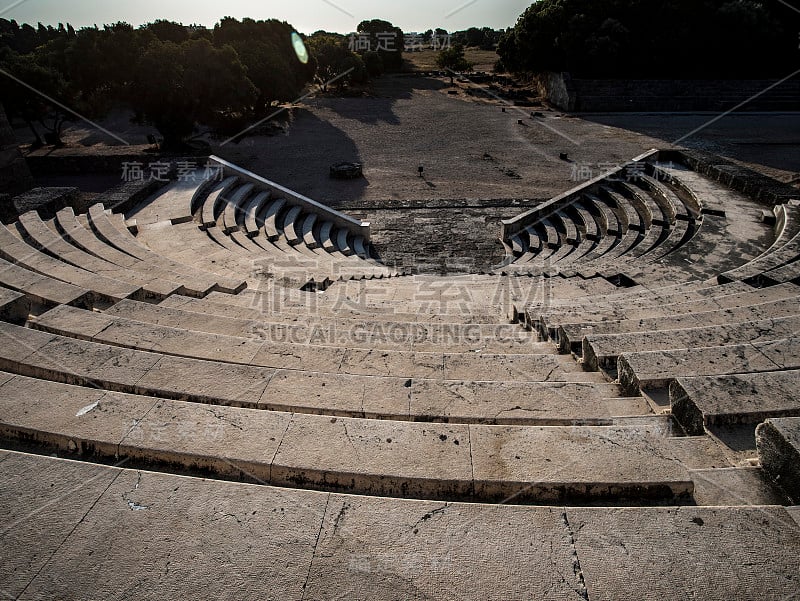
{"x":631,"y":368}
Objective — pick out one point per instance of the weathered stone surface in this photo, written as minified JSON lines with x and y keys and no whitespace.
{"x":778,"y":442}
{"x":379,"y":549}
{"x":539,"y":403}
{"x":683,"y":552}
{"x":68,"y":418}
{"x":734,"y":399}
{"x":375,"y":457}
{"x":602,"y":351}
{"x":655,"y":369}
{"x":552,"y":465}
{"x":736,"y":486}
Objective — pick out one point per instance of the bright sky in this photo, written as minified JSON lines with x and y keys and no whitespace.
{"x":307,"y":16}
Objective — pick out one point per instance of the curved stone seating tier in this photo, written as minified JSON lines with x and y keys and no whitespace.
{"x":98,"y":221}
{"x":736,"y":399}
{"x":650,"y":226}
{"x":659,"y":307}
{"x":361,"y":456}
{"x":72,"y":231}
{"x":601,"y":351}
{"x":784,"y":251}
{"x":656,"y":369}
{"x":215,"y":252}
{"x":46,"y":239}
{"x":41,"y":289}
{"x":114,"y":368}
{"x":570,"y":335}
{"x":303,"y":537}
{"x":377,"y":334}
{"x":241,"y":205}
{"x":13,"y":250}
{"x":363,"y":360}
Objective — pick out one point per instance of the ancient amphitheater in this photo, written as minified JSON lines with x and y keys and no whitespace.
{"x":222,"y":392}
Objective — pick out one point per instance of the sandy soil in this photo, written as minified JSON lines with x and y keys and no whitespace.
{"x":468,"y":147}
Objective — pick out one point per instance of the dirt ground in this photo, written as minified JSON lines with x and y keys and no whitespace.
{"x":471,"y":151}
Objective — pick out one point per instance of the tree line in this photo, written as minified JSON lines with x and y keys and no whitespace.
{"x":655,"y":39}
{"x":172,"y":75}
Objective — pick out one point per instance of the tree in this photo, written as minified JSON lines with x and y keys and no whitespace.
{"x":452,"y":60}
{"x":179,"y":85}
{"x":334,"y":58}
{"x":22,"y":102}
{"x":385,"y":39}
{"x":617,"y":38}
{"x":265,"y":49}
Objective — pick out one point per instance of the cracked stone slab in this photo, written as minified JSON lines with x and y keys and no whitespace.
{"x":778,"y":443}
{"x":69,"y":418}
{"x":227,"y":441}
{"x":602,"y":351}
{"x":205,"y":381}
{"x":375,"y":457}
{"x":392,"y":363}
{"x":735,"y":486}
{"x":78,"y":362}
{"x":287,"y":356}
{"x":655,"y":369}
{"x":551,"y":465}
{"x":526,"y":368}
{"x":541,"y":403}
{"x":710,"y":553}
{"x":19,"y":343}
{"x":735,"y":399}
{"x":161,"y":536}
{"x":41,"y":501}
{"x":337,"y":394}
{"x":380,"y":549}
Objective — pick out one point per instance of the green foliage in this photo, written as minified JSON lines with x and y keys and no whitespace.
{"x":654,"y":39}
{"x":452,"y":59}
{"x":333,"y":58}
{"x":179,"y":85}
{"x":374,"y":64}
{"x":385,"y":39}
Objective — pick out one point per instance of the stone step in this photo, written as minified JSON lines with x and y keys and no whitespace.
{"x":15,"y":251}
{"x":377,"y":334}
{"x":360,"y":456}
{"x":69,"y":321}
{"x":85,"y":239}
{"x":549,"y":321}
{"x":735,"y":399}
{"x":656,"y":369}
{"x":570,"y":336}
{"x":272,"y":308}
{"x":45,"y":239}
{"x":100,"y":223}
{"x":41,"y":289}
{"x":601,"y":351}
{"x":42,"y":355}
{"x":386,"y":548}
{"x":778,"y":442}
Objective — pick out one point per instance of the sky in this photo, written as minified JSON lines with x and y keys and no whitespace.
{"x":306,"y":16}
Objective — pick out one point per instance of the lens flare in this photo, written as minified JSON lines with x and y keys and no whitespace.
{"x":300,"y":48}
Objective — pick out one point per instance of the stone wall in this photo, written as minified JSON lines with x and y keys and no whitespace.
{"x":619,"y":95}
{"x":14,"y":174}
{"x":439,"y":236}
